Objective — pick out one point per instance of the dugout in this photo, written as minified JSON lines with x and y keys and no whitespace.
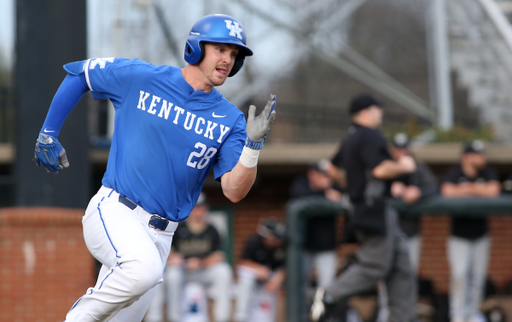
{"x":436,"y":207}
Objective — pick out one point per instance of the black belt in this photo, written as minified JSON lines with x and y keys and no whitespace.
{"x":155,"y":221}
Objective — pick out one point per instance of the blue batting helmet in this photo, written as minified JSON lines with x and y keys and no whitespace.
{"x":217,"y":29}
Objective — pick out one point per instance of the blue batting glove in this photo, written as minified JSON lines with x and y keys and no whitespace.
{"x":50,"y":153}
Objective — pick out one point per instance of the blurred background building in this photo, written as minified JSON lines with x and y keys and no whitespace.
{"x":440,"y":66}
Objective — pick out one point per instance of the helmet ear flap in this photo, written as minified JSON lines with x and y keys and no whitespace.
{"x":201,"y":57}
{"x":191,"y":55}
{"x":194,"y":53}
{"x":239,"y":62}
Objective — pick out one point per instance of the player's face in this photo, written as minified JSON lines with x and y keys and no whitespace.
{"x":376,"y":115}
{"x":397,"y":153}
{"x":476,"y":160}
{"x":218,"y":62}
{"x":272,"y":242}
{"x":198,"y":213}
{"x":318,"y":180}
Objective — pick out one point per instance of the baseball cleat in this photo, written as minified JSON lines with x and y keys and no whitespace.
{"x":322,"y":307}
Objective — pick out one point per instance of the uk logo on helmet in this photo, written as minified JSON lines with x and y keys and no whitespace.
{"x":234,"y":29}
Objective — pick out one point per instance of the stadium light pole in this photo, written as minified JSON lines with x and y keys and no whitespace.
{"x":442,"y":75}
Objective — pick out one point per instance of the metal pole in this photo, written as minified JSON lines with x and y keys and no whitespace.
{"x":442,"y":65}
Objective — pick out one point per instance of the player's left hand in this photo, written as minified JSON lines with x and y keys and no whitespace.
{"x":258,"y":126}
{"x":411,"y":194}
{"x":50,"y":153}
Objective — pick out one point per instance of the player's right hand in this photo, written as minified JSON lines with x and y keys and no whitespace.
{"x":258,"y":126}
{"x":50,"y":153}
{"x":408,"y":164}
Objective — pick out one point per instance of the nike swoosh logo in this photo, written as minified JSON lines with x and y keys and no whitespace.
{"x":217,"y":116}
{"x":48,"y":131}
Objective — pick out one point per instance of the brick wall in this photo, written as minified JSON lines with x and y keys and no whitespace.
{"x":434,"y":265}
{"x":44,"y":264}
{"x":433,"y":262}
{"x":500,"y":268}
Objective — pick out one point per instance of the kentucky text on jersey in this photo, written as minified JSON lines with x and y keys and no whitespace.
{"x":189,"y":122}
{"x":167,"y":135}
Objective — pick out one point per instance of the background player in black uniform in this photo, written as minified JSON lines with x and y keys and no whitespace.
{"x":261,"y":265}
{"x":411,"y":188}
{"x":320,"y":233}
{"x":469,"y":243}
{"x":383,"y":253}
{"x":319,"y":247}
{"x":196,"y":256}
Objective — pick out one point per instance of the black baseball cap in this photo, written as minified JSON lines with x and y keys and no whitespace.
{"x":272,"y":227}
{"x":362,"y":101}
{"x":202,"y":200}
{"x":476,"y":146}
{"x":320,"y":166}
{"x":401,"y":140}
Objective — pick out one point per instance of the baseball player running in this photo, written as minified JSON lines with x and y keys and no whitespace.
{"x":171,"y":128}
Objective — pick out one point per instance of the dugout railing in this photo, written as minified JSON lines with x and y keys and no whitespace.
{"x":298,"y":210}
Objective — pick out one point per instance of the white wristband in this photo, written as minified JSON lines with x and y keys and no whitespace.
{"x":249,"y":157}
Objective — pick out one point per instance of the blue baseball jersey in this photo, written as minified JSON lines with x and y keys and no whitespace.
{"x":167,"y":137}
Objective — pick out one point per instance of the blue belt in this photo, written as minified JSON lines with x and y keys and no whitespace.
{"x":155,"y":221}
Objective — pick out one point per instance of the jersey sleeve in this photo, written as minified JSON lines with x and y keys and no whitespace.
{"x":425,"y":180}
{"x":337,"y":159}
{"x":105,"y":77}
{"x":69,"y":93}
{"x":231,"y":149}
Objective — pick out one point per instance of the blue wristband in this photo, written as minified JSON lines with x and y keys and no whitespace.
{"x":253,"y":145}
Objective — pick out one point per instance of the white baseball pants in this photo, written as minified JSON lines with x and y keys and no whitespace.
{"x":325,"y":264}
{"x":249,"y":289}
{"x":218,"y":277}
{"x":133,"y":257}
{"x":468,"y":261}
